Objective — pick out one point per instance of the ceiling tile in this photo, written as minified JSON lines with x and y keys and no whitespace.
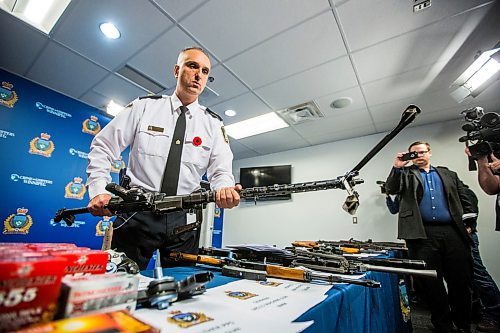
{"x":247,"y":106}
{"x":275,"y":141}
{"x":119,"y":90}
{"x":343,"y":120}
{"x":62,"y":70}
{"x":80,"y":29}
{"x":158,"y":59}
{"x":282,"y":56}
{"x":21,"y":44}
{"x":325,"y":137}
{"x":409,"y":51}
{"x":225,"y":84}
{"x":358,"y":102}
{"x":177,"y":9}
{"x":369,"y":22}
{"x":325,"y":79}
{"x":95,"y":99}
{"x":240,"y":151}
{"x":228,"y":27}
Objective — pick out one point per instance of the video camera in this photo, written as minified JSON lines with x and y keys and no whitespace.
{"x":483,"y":131}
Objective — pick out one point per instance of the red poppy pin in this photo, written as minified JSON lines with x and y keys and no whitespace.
{"x":197,"y":141}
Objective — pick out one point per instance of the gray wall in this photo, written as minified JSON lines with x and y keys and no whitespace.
{"x":318,"y":215}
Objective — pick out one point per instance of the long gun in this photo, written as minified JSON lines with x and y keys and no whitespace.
{"x":260,"y":271}
{"x":139,"y":200}
{"x":354,"y":265}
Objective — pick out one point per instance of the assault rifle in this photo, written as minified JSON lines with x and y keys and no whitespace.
{"x":138,"y":200}
{"x":260,"y":271}
{"x":321,"y":261}
{"x":352,"y":246}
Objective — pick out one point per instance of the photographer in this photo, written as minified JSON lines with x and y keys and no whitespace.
{"x":432,"y":201}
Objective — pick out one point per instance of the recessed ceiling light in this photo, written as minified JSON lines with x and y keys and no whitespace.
{"x":341,"y":103}
{"x":42,"y":15}
{"x":110,"y":30}
{"x":230,"y":113}
{"x":257,"y":125}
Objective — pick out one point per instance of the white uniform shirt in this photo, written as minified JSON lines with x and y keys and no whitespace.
{"x":147,"y":126}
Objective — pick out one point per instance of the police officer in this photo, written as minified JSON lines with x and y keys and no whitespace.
{"x":154,"y":127}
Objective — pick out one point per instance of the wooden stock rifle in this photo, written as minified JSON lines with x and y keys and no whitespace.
{"x":260,"y":271}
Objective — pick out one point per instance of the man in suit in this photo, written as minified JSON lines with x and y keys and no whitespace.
{"x":432,"y":202}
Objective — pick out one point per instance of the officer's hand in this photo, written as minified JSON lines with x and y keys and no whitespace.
{"x":228,"y":197}
{"x":96,"y":205}
{"x":398,"y":163}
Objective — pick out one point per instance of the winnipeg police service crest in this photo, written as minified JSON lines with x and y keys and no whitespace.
{"x":187,"y":319}
{"x":42,"y":145}
{"x":19,"y":223}
{"x":91,"y":125}
{"x":240,"y":294}
{"x":117,"y":165}
{"x":8,"y":97}
{"x":75,"y":189}
{"x":102,"y":225}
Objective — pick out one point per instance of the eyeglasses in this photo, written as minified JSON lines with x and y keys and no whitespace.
{"x":420,"y":153}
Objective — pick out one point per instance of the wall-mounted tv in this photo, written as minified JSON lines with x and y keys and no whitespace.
{"x":266,"y":176}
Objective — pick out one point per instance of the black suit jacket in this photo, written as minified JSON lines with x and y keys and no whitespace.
{"x":407,"y":183}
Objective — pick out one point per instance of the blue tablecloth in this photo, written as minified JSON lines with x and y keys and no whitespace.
{"x":347,"y":309}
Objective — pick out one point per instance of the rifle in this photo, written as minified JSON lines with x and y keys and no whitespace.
{"x":354,"y":265}
{"x":322,"y":261}
{"x":260,"y":271}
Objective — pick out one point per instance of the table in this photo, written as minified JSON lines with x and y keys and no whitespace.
{"x":347,"y":308}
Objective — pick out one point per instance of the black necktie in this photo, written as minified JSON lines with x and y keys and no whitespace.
{"x":171,"y":174}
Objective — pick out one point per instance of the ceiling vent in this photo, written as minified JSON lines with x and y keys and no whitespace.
{"x":300,"y":113}
{"x":140,"y":79}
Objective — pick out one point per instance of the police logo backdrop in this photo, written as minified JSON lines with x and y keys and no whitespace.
{"x":44,"y":142}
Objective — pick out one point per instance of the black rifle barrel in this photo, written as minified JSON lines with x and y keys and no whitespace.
{"x":406,"y":118}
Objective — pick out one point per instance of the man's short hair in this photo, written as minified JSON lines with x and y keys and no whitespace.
{"x":416,"y":143}
{"x":195,"y":48}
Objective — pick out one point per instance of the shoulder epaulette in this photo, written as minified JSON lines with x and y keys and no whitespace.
{"x":151,"y":96}
{"x":213,"y":114}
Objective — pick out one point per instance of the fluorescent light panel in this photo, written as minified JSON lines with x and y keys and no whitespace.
{"x":113,"y":108}
{"x":41,"y":14}
{"x":265,"y":123}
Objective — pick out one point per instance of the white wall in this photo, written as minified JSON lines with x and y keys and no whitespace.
{"x":319,"y":216}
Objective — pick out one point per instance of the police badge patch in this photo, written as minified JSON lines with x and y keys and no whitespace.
{"x":19,"y":223}
{"x":102,"y":225}
{"x":42,"y":145}
{"x":240,"y":294}
{"x":187,"y":319}
{"x":91,"y":126}
{"x":75,"y":189}
{"x":117,"y":165}
{"x":8,"y":97}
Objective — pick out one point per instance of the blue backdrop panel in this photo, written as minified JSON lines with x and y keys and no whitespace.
{"x":44,"y":141}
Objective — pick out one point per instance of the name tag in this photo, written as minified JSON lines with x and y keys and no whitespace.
{"x":155,"y":129}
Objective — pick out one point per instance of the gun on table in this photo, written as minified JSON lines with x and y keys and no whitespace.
{"x":351,"y":246}
{"x":260,"y":271}
{"x":321,"y":261}
{"x":355,"y":265}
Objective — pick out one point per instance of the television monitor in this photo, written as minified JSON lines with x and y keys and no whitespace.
{"x":267,"y":176}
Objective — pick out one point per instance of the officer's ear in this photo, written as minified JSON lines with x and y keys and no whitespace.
{"x":176,"y":71}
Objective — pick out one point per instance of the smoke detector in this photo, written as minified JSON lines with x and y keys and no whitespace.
{"x":301,"y":113}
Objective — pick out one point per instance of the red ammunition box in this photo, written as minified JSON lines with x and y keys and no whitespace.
{"x":83,"y":261}
{"x":29,"y":288}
